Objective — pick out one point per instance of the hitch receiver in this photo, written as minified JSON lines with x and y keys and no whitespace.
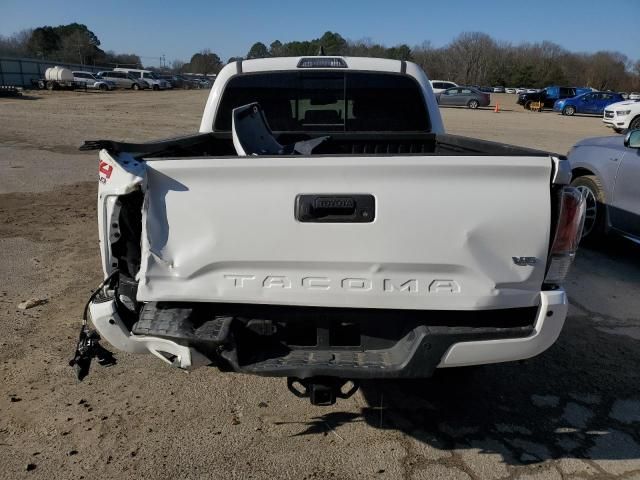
{"x":321,"y":391}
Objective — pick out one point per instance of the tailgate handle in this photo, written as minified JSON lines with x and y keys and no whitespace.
{"x":335,"y":208}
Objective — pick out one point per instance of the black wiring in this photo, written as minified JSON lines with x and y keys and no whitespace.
{"x":95,"y":294}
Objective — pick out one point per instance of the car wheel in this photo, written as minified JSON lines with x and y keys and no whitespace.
{"x":473,"y":104}
{"x":156,"y":88}
{"x":593,"y":192}
{"x":527,"y":105}
{"x":618,"y":130}
{"x":569,"y":110}
{"x":135,"y":86}
{"x":103,"y":87}
{"x":635,"y":123}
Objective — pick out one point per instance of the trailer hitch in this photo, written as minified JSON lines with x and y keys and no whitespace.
{"x":321,"y":391}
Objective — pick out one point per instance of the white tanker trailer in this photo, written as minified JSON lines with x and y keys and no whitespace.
{"x":57,"y":78}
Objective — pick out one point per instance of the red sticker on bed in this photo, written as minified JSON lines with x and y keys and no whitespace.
{"x":105,"y":169}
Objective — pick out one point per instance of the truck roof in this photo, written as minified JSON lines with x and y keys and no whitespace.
{"x":294,"y":63}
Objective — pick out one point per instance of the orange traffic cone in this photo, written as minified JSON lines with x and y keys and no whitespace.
{"x":497,"y":109}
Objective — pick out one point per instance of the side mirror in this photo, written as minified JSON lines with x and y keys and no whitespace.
{"x":632,"y":139}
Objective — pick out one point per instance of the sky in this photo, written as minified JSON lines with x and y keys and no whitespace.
{"x":179,"y":29}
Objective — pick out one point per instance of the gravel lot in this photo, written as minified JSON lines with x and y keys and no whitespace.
{"x":573,"y":412}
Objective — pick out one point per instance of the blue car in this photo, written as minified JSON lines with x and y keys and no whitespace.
{"x":592,"y":103}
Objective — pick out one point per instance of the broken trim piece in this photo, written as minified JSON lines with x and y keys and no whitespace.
{"x":253,"y":136}
{"x":105,"y":318}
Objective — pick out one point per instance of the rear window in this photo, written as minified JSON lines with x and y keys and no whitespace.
{"x":328,"y":101}
{"x":567,"y":92}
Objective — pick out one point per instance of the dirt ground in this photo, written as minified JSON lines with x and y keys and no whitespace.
{"x":573,"y":412}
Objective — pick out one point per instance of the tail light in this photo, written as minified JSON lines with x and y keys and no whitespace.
{"x":568,"y":234}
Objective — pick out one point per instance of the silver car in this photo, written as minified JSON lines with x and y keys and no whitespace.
{"x":123,"y":80}
{"x":89,"y":80}
{"x":607,"y":172}
{"x":463,"y":97}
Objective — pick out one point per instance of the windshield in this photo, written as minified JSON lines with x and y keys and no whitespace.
{"x":150,"y":75}
{"x":328,"y":101}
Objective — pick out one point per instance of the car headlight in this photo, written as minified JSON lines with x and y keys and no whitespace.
{"x":622,"y":113}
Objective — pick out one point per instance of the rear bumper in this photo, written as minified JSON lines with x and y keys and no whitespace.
{"x":549,"y":322}
{"x":417,"y":353}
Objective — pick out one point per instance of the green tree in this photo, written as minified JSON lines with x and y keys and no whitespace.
{"x":276,"y":49}
{"x":204,"y":62}
{"x":400,"y":52}
{"x":333,"y":43}
{"x":66,"y":30}
{"x":43,"y":42}
{"x":258,"y":50}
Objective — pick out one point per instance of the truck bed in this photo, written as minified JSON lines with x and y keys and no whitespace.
{"x":378,"y":143}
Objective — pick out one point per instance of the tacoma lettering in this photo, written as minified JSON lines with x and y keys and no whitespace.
{"x":352,"y":284}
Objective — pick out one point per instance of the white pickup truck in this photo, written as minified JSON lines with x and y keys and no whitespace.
{"x":322,"y":227}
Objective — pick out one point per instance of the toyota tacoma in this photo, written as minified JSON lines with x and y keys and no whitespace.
{"x":322,"y":226}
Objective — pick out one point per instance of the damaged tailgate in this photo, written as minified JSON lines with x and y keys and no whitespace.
{"x":442,"y":231}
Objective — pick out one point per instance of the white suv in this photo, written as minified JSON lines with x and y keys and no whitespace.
{"x":622,"y":115}
{"x":441,"y":85}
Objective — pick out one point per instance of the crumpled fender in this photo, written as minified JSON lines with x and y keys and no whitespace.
{"x":118,"y":175}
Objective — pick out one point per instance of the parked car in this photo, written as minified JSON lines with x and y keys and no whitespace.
{"x":89,"y":80}
{"x":520,"y":90}
{"x":171,"y":80}
{"x":510,"y":90}
{"x":463,"y":97}
{"x":634,"y":96}
{"x":549,"y":95}
{"x":147,"y":76}
{"x":205,"y":82}
{"x":123,"y":80}
{"x":486,"y":89}
{"x":532,"y":90}
{"x":441,"y":85}
{"x":187,"y":82}
{"x":607,"y":172}
{"x":592,"y":103}
{"x":347,"y":282}
{"x":622,"y":115}
{"x":498,"y":89}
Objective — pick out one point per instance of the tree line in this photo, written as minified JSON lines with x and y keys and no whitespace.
{"x":475,"y":58}
{"x":472,"y":58}
{"x":72,"y":43}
